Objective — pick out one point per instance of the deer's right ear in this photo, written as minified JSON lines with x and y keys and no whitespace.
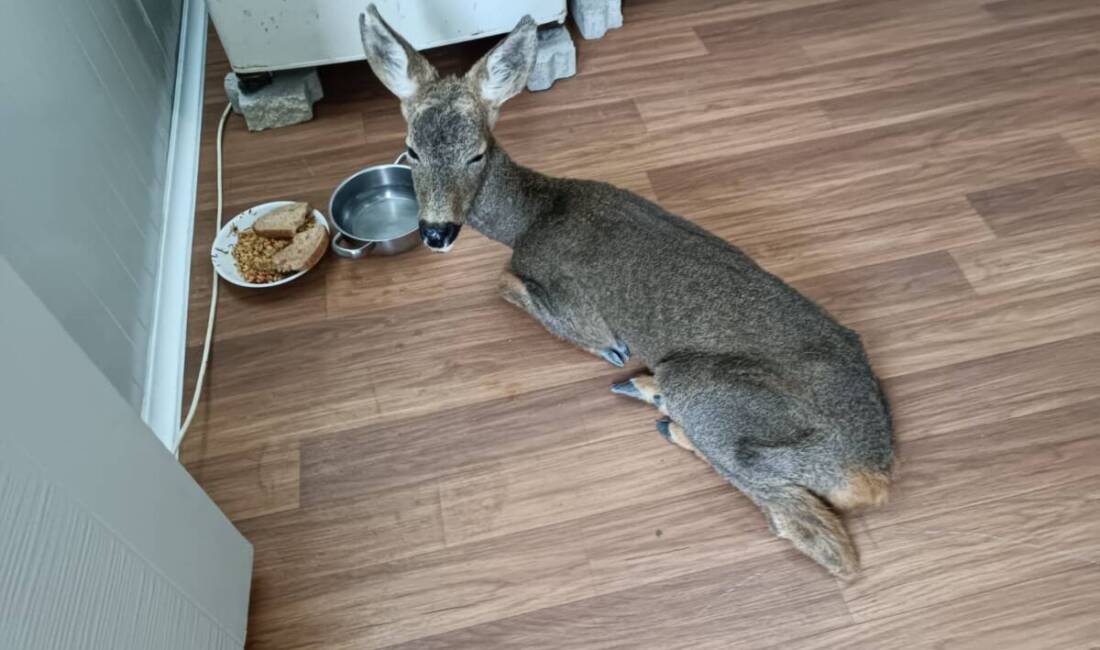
{"x":396,"y":63}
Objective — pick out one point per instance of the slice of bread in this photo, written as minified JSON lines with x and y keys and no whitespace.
{"x":307,"y":247}
{"x":283,"y":222}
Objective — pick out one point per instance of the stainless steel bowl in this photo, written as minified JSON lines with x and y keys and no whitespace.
{"x":375,"y":211}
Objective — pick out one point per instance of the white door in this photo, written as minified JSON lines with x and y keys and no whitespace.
{"x":105,"y":540}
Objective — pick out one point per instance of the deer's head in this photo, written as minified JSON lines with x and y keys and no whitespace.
{"x":450,"y":119}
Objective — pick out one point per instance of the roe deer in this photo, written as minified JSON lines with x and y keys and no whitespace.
{"x":753,"y":377}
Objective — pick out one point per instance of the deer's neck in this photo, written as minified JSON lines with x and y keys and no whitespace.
{"x":511,"y":198}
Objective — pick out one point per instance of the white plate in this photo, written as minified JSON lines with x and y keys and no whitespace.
{"x":221,"y":253}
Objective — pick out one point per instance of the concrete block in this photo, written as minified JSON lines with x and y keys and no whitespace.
{"x":595,"y":17}
{"x":287,"y":100}
{"x":556,"y":58}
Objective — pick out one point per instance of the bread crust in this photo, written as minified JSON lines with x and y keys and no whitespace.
{"x":282,"y":222}
{"x":293,"y":259}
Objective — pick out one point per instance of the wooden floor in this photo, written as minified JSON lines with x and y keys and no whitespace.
{"x":419,"y":464}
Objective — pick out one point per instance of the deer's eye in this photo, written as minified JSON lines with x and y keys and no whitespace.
{"x":412,"y":154}
{"x":476,"y":159}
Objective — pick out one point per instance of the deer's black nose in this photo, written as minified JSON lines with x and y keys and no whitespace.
{"x":439,"y":236}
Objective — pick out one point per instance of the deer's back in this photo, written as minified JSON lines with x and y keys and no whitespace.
{"x":665,"y":285}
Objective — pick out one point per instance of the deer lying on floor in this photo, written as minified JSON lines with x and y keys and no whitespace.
{"x":753,"y":377}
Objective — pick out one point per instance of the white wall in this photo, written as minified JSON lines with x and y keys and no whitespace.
{"x":105,"y":541}
{"x":85,"y":113}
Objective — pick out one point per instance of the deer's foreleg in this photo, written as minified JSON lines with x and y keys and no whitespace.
{"x":570,"y":323}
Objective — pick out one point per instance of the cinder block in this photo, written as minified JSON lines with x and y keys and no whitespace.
{"x":556,"y":58}
{"x":595,"y":17}
{"x":287,"y":100}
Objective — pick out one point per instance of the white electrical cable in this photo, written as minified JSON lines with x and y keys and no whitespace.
{"x":213,"y":299}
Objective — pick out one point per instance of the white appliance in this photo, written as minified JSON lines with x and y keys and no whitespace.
{"x":266,"y":35}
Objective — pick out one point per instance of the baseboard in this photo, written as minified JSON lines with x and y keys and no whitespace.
{"x":161,"y":406}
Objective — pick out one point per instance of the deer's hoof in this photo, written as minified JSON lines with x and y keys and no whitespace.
{"x":617,"y":355}
{"x":628,"y":389}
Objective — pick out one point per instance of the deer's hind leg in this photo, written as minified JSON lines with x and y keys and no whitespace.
{"x":674,"y":433}
{"x":644,"y":387}
{"x":770,"y":444}
{"x":565,"y":316}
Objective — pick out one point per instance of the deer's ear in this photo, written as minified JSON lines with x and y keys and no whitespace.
{"x":400,"y":67}
{"x":502,"y":73}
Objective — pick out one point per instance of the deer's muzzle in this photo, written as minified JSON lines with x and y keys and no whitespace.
{"x":439,"y":236}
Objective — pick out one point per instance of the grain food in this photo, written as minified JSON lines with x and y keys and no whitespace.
{"x":253,"y":255}
{"x":257,"y":260}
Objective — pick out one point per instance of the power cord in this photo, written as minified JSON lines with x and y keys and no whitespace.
{"x":213,"y":300}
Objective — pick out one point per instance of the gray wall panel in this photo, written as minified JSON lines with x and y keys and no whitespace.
{"x":87,"y":116}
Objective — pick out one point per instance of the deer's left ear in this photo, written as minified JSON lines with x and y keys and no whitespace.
{"x":502,"y":73}
{"x":396,"y":63}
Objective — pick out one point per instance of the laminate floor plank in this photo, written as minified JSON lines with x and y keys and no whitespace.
{"x":1036,"y":78}
{"x":757,"y":603}
{"x":980,"y":327}
{"x":259,"y":482}
{"x":704,"y":12}
{"x":976,"y":549}
{"x":1041,"y":204}
{"x":987,"y":462}
{"x":311,"y":543}
{"x":434,"y":592}
{"x":469,"y":439}
{"x":981,"y":149}
{"x":1056,"y":611}
{"x":873,"y":290}
{"x":1003,"y":386}
{"x":1009,"y":10}
{"x":714,"y":95}
{"x":573,"y":482}
{"x":1044,"y":260}
{"x":617,"y":49}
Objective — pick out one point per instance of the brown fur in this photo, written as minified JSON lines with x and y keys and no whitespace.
{"x":862,"y":489}
{"x":647,"y":386}
{"x":679,"y":438}
{"x":649,"y":392}
{"x":513,"y":290}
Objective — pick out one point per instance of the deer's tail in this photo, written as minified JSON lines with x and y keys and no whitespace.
{"x":798,"y":515}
